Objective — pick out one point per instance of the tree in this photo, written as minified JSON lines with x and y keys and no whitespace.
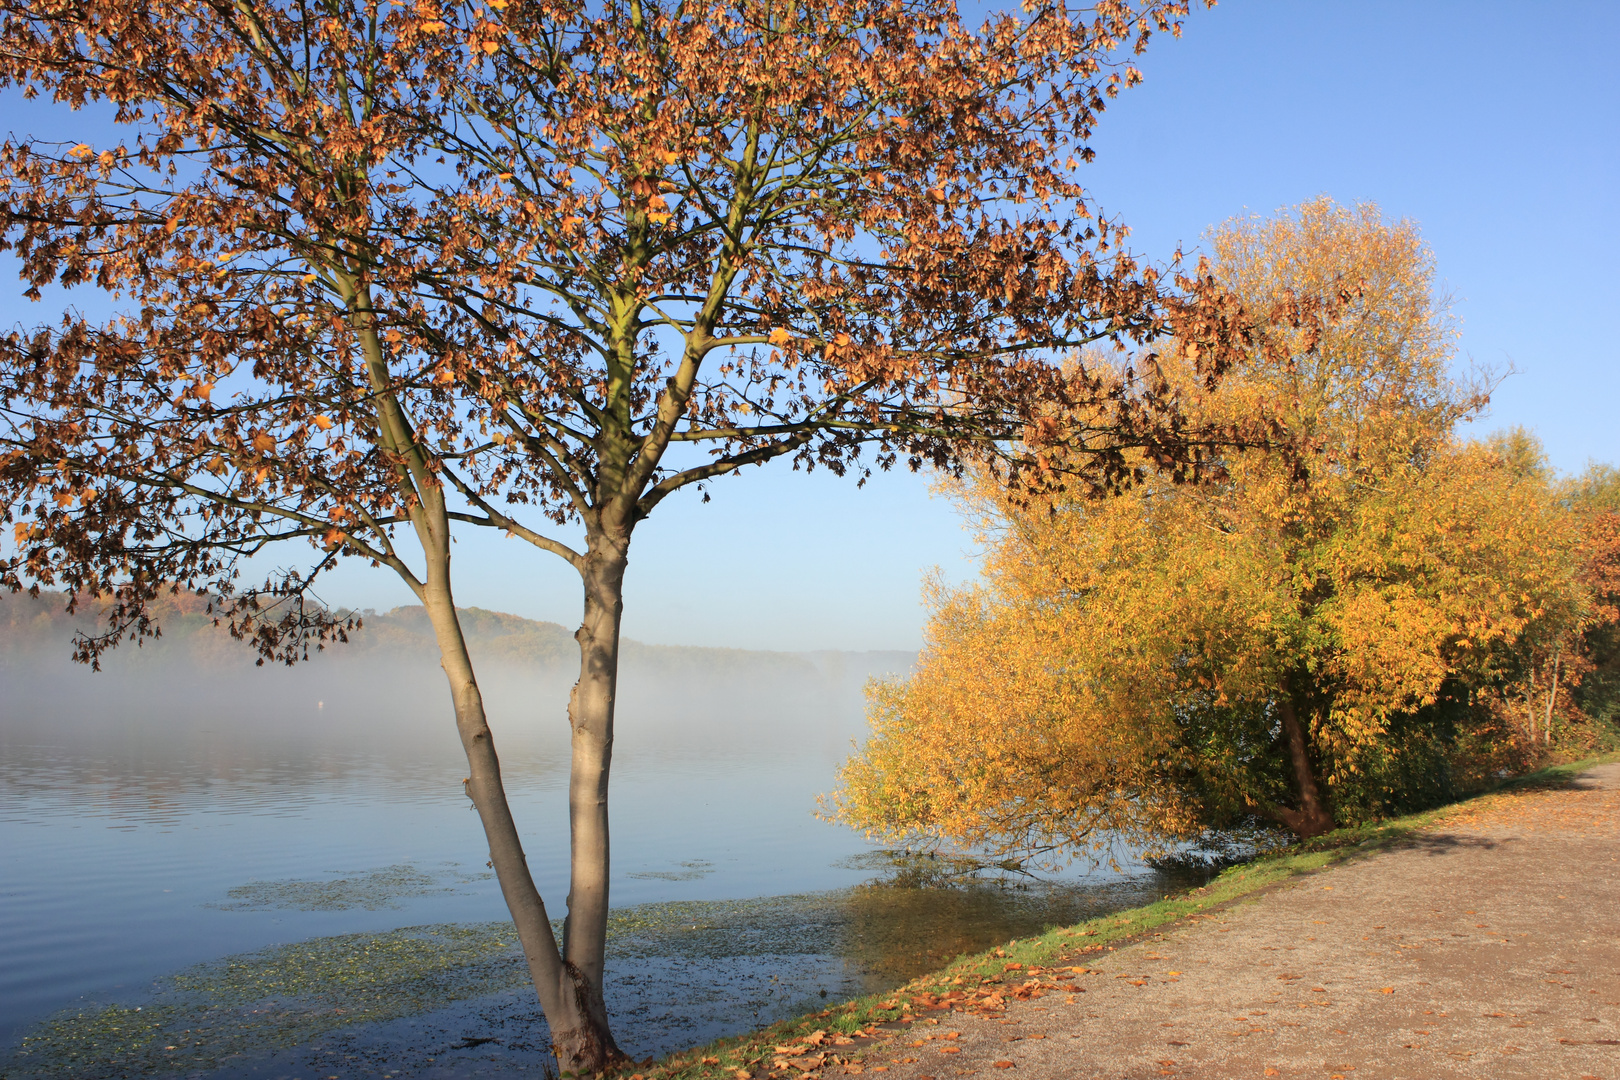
{"x":1555,"y":684}
{"x":1296,"y":640}
{"x":387,"y":271}
{"x":1596,"y":696}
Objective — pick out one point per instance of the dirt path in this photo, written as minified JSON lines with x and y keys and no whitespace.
{"x":1487,"y":947}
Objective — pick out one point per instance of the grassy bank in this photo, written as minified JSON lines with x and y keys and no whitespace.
{"x":844,"y":1029}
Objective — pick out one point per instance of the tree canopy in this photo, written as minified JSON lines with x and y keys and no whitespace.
{"x":1299,"y":640}
{"x":522,"y":252}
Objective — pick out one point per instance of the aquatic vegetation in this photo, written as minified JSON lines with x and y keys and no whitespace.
{"x":689,"y":871}
{"x":249,"y":1005}
{"x":764,"y":926}
{"x":252,"y":1005}
{"x":372,"y":890}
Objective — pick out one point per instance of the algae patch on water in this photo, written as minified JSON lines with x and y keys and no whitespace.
{"x":718,"y":929}
{"x":246,"y":1006}
{"x":372,"y":890}
{"x":695,"y":870}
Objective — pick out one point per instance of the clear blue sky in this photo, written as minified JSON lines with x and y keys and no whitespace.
{"x":1494,"y":125}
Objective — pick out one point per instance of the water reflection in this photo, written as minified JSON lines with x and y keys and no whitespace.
{"x":897,"y":932}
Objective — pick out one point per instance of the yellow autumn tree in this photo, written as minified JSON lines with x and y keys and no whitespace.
{"x":1556,"y":686}
{"x":1298,"y":641}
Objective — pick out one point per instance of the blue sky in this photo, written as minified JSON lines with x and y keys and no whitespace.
{"x":1493,"y":125}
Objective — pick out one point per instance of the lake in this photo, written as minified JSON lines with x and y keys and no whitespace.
{"x":270,"y":873}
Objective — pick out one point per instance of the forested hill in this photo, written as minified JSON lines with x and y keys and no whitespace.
{"x":36,"y":633}
{"x":383,"y":695}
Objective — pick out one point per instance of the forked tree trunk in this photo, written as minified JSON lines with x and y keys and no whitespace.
{"x":571,"y":1002}
{"x":568,"y":982}
{"x":1311,"y":817}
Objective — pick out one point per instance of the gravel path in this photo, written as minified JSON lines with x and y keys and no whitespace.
{"x":1485,"y":947}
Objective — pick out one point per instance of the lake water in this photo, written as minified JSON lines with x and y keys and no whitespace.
{"x":245,"y":862}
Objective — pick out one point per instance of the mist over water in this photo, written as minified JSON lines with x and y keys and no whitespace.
{"x":184,"y":805}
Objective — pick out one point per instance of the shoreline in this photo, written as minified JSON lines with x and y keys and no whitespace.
{"x":839,"y":1039}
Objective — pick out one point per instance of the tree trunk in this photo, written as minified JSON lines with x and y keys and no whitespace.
{"x":590,"y":715}
{"x":579,"y":1033}
{"x":1552,"y":698}
{"x":1311,"y":817}
{"x":1530,"y":707}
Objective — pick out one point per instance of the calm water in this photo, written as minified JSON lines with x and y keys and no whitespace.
{"x":148,"y":826}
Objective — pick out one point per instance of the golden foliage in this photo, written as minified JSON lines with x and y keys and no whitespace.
{"x":1127,"y":662}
